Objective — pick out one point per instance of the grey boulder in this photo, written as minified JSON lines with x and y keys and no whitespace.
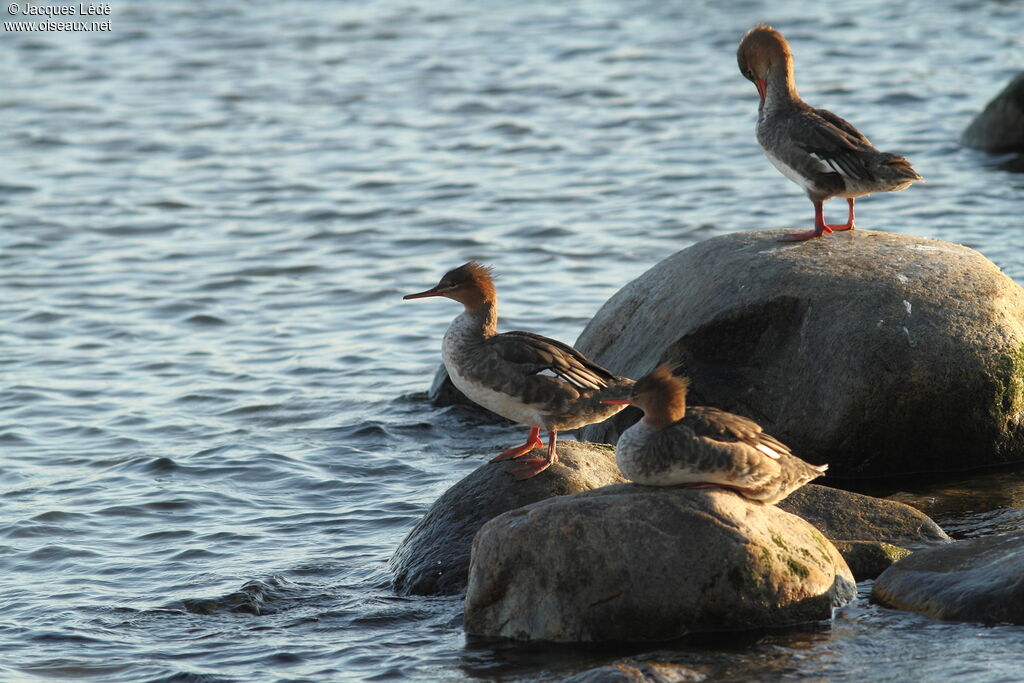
{"x":1000,"y":126}
{"x":637,"y":563}
{"x":434,"y":557}
{"x":978,"y":579}
{"x":877,"y":353}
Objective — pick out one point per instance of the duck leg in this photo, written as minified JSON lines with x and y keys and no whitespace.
{"x":532,"y":441}
{"x":531,"y":467}
{"x":819,"y":226}
{"x":849,"y":218}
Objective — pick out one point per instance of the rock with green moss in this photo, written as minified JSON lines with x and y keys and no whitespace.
{"x":434,"y":557}
{"x":868,"y":559}
{"x":877,"y":353}
{"x":630,"y":562}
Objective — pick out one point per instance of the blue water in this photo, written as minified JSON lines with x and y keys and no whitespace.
{"x":213,"y":423}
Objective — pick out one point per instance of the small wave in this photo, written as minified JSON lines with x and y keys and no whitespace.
{"x":195,"y":554}
{"x":172,"y":535}
{"x":900,"y":98}
{"x":167,"y":204}
{"x":377,"y":184}
{"x":139,"y":229}
{"x":256,"y":597}
{"x":6,"y":188}
{"x":276,"y":271}
{"x":206,"y":320}
{"x":162,"y":465}
{"x":58,"y":516}
{"x":202,"y":398}
{"x":511,"y":129}
{"x":13,"y":438}
{"x":156,"y":507}
{"x":53,"y":553}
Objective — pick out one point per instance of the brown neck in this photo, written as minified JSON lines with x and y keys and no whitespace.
{"x":781,"y":83}
{"x":485,"y":313}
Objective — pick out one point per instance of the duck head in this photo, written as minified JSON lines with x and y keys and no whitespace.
{"x":661,"y":395}
{"x":471,"y":284}
{"x":764,"y":58}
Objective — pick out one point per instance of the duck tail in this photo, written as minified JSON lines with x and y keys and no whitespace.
{"x":900,"y":168}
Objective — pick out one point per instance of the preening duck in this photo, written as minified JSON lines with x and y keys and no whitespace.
{"x":819,"y":151}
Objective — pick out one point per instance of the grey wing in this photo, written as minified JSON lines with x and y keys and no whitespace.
{"x":722,"y":459}
{"x":834,"y":142}
{"x":532,"y":354}
{"x":725,"y":426}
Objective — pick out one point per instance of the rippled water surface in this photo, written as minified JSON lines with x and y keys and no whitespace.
{"x":212,"y":414}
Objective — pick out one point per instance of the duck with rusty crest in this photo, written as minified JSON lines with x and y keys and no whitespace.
{"x":527,"y":378}
{"x":704,"y":447}
{"x":819,"y":151}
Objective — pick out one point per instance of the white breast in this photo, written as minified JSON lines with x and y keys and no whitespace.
{"x":458,"y":344}
{"x":790,"y":172}
{"x":630,"y":450}
{"x":503,"y":404}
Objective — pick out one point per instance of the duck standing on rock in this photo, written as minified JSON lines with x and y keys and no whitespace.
{"x":817,"y":150}
{"x":521,"y":376}
{"x":704,"y":447}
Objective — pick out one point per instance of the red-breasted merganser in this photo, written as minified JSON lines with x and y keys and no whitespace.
{"x":814,"y":148}
{"x":521,"y":376}
{"x":704,"y":447}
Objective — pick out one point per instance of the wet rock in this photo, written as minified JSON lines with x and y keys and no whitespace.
{"x":434,"y":557}
{"x":845,"y":347}
{"x":870,"y":533}
{"x":1000,"y":126}
{"x":637,"y":672}
{"x":978,"y":579}
{"x":634,"y":563}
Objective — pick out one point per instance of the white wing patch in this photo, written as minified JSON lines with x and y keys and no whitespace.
{"x":767,"y":451}
{"x":830,"y":164}
{"x":572,"y":377}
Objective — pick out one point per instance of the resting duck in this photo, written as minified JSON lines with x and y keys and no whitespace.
{"x":704,"y":447}
{"x":814,"y":148}
{"x":521,"y":376}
